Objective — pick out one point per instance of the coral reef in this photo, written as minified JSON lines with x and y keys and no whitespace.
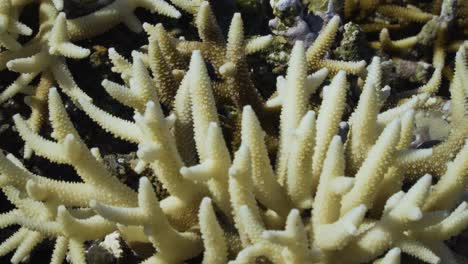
{"x":45,"y":53}
{"x":335,"y":165}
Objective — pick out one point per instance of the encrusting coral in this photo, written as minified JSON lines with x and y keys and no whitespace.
{"x":365,"y":196}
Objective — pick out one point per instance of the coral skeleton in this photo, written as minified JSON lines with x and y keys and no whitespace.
{"x":363,"y":194}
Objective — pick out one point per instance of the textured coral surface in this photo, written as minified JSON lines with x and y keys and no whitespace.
{"x":190,"y":131}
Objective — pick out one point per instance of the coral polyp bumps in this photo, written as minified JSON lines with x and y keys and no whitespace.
{"x":332,"y":195}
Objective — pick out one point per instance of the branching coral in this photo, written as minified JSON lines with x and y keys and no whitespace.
{"x":439,"y":22}
{"x":443,"y":152}
{"x":323,"y":42}
{"x":435,"y":35}
{"x":339,"y":205}
{"x":318,"y":42}
{"x":44,"y":54}
{"x":167,"y":58}
{"x":326,"y":197}
{"x":227,"y":57}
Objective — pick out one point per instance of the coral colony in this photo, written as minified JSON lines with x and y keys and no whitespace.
{"x":359,"y":154}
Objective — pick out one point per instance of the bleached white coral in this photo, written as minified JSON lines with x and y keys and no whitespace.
{"x":44,"y":54}
{"x":325,"y":200}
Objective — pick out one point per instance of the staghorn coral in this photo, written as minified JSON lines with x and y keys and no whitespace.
{"x":436,"y":163}
{"x":441,"y":22}
{"x":325,"y":199}
{"x":318,"y":40}
{"x":44,"y":55}
{"x":167,"y":57}
{"x":437,"y":38}
{"x":338,"y":227}
{"x":227,"y":57}
{"x":320,"y":46}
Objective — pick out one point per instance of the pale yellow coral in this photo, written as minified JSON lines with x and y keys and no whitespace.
{"x":363,"y":121}
{"x":268,"y":190}
{"x":327,"y":198}
{"x":10,"y":26}
{"x":212,"y":234}
{"x":45,"y":51}
{"x":120,"y":11}
{"x":293,"y":95}
{"x":404,"y":13}
{"x":321,"y":45}
{"x":338,"y":209}
{"x":443,"y":152}
{"x":172,"y":246}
